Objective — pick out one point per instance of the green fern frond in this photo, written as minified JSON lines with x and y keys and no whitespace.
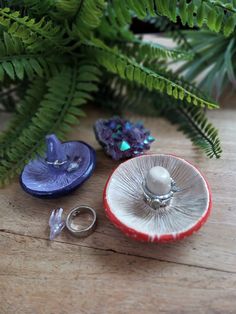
{"x":29,"y":7}
{"x":217,"y":16}
{"x":195,"y":125}
{"x":31,"y":32}
{"x":130,"y":70}
{"x":16,"y":62}
{"x":60,"y":45}
{"x":162,"y":69}
{"x":67,"y":8}
{"x":81,"y":13}
{"x":113,"y":26}
{"x":120,"y":97}
{"x":88,"y":17}
{"x":57,"y":111}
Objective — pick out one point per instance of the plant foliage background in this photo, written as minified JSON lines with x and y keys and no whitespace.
{"x":56,"y":55}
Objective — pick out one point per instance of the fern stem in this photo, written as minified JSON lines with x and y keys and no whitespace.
{"x":198,"y":129}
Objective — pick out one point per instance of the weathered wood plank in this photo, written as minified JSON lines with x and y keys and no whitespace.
{"x":41,"y":277}
{"x":212,"y":247}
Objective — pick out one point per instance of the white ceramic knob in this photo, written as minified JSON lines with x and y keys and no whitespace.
{"x":158,"y":181}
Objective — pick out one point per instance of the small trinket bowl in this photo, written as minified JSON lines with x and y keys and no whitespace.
{"x":63,"y":169}
{"x":157,"y":198}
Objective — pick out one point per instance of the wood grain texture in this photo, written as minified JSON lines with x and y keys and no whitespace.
{"x":108,"y":272}
{"x":42,"y":277}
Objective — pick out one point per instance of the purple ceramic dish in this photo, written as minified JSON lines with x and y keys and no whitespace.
{"x":64,"y":168}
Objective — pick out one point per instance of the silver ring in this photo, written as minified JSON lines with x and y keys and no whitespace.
{"x":56,"y":163}
{"x":158,"y":201}
{"x":83,"y":232}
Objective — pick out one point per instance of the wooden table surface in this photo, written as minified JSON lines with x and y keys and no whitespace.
{"x":108,"y":272}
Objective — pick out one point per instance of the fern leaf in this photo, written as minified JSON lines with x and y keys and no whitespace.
{"x":115,"y":23}
{"x":58,"y":109}
{"x":31,"y":32}
{"x":88,"y":17}
{"x":129,"y":69}
{"x":195,"y":125}
{"x":41,"y":7}
{"x":16,"y":62}
{"x":216,"y":15}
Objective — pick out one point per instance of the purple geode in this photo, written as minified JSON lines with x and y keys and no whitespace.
{"x":122,"y":139}
{"x":64,"y":167}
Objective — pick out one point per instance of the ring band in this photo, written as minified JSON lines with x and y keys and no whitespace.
{"x":83,"y":232}
{"x":56,"y":163}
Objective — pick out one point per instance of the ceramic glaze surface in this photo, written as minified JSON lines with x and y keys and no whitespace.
{"x":124,"y":197}
{"x":40,"y":178}
{"x":158,"y":181}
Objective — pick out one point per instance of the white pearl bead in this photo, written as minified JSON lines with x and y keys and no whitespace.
{"x":158,"y":181}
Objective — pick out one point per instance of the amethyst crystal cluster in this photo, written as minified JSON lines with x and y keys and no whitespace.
{"x":121,"y":138}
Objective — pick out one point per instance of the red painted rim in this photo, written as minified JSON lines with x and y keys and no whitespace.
{"x":137,"y":235}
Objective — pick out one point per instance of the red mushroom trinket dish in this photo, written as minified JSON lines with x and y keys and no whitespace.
{"x":157,"y":198}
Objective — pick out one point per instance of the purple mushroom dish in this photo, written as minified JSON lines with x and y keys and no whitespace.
{"x":63,"y":169}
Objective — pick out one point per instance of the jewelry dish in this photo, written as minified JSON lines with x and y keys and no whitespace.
{"x":127,"y":207}
{"x":65,"y":166}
